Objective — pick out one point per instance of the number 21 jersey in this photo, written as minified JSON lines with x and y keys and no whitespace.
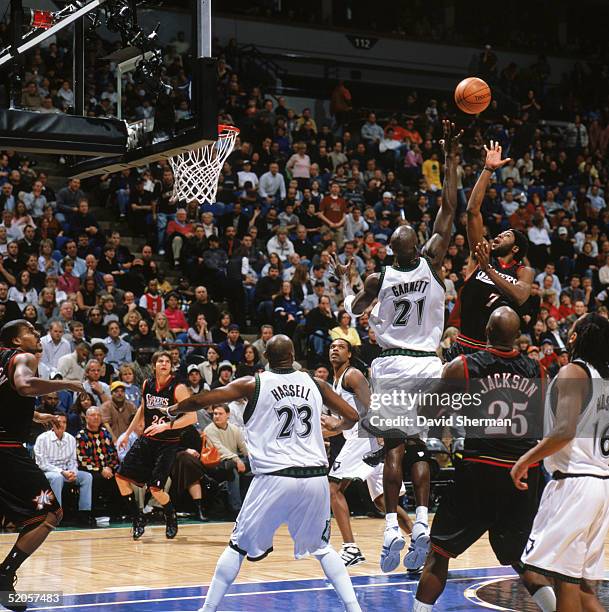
{"x":409,"y":313}
{"x":283,"y":423}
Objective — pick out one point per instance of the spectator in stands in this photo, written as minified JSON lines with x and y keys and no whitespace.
{"x":179,"y":230}
{"x":54,"y":346}
{"x":228,"y":439}
{"x":281,"y":245}
{"x":145,"y":338}
{"x":152,"y":301}
{"x":72,"y":365}
{"x":344,"y":330}
{"x":371,"y":132}
{"x":332,"y":210}
{"x":160,"y":328}
{"x":272,"y":185}
{"x":23,"y":292}
{"x":55,"y":452}
{"x":119,"y":351}
{"x":118,"y":411}
{"x":99,"y":391}
{"x":231,"y":349}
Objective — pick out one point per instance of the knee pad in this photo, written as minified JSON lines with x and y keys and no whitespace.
{"x":416,"y":450}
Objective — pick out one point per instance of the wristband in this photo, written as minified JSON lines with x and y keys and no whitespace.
{"x":348,"y":303}
{"x":488,"y":169}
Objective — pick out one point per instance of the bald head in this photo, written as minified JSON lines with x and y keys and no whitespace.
{"x":404,"y":244}
{"x":503,"y":327}
{"x":280,"y":351}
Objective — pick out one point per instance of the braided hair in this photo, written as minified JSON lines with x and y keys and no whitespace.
{"x":592,"y":342}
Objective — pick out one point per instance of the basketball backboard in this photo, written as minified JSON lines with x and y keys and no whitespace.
{"x":111,"y":144}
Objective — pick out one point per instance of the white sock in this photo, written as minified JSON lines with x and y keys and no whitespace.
{"x":391,"y":519}
{"x":422,"y":515}
{"x":421,"y":607}
{"x":337,"y":574}
{"x":545,"y":598}
{"x":227,"y":569}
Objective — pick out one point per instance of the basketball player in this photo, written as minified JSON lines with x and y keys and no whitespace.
{"x":568,"y":535}
{"x":483,"y":498}
{"x":283,"y":429}
{"x":150,"y":459}
{"x":353,"y":387}
{"x":26,"y":496}
{"x":495,"y":273}
{"x":408,"y":319}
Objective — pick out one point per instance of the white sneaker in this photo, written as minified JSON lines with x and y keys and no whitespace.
{"x":161,"y":251}
{"x":393,"y":544}
{"x":351,"y":555}
{"x":419,"y":546}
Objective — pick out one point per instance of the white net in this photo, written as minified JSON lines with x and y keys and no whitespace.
{"x":196,"y":172}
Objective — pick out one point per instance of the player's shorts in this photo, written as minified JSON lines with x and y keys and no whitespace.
{"x":271,"y":501}
{"x":568,"y":536}
{"x":26,"y":496}
{"x":397,"y":375}
{"x":484,"y":498}
{"x":149,"y":461}
{"x":349,"y":465}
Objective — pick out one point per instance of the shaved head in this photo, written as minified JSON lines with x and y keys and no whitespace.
{"x":404,"y":244}
{"x":503,"y":327}
{"x":280,"y":351}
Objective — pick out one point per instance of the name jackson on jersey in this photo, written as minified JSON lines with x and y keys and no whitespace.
{"x":505,"y":380}
{"x":283,"y":391}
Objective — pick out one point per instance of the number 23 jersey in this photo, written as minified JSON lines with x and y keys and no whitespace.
{"x":283,"y":422}
{"x":409,"y":313}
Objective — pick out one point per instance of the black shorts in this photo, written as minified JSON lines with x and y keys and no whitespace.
{"x":26,"y":496}
{"x":484,"y":498}
{"x":149,"y":462}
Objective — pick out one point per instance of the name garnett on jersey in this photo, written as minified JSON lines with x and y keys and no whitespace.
{"x":482,"y":276}
{"x":282,"y":391}
{"x":418,"y":286}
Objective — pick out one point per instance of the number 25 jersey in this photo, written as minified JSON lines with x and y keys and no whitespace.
{"x":409,"y":313}
{"x":283,"y":423}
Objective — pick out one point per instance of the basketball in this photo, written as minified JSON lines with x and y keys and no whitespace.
{"x":472,"y":95}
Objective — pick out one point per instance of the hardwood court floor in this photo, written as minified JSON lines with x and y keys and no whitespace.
{"x":82,"y":561}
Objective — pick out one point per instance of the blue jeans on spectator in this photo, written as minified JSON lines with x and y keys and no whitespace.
{"x":233,"y":486}
{"x":265,"y":311}
{"x":320,"y":340}
{"x":122,"y":199}
{"x":84,"y":480}
{"x":162,"y":220}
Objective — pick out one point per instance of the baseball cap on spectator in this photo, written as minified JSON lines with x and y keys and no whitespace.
{"x":562,"y":231}
{"x":246,"y":161}
{"x":359,"y":234}
{"x":546,"y":341}
{"x":117,"y":384}
{"x":233,"y":326}
{"x":532,"y":349}
{"x":192,"y":367}
{"x":563,"y":351}
{"x":388,"y":194}
{"x":225,"y":365}
{"x":385,"y":214}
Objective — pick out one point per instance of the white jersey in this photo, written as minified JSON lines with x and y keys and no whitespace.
{"x":353,"y":401}
{"x":587,"y":452}
{"x":283,"y":423}
{"x":409,"y":313}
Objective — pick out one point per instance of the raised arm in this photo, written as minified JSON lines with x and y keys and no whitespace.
{"x":26,"y":383}
{"x":355,"y":305}
{"x":573,"y":386}
{"x":475,"y":224}
{"x":435,"y":248}
{"x":238,"y":389}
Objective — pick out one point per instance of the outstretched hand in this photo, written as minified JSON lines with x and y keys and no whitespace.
{"x":493,"y":156}
{"x":450,"y":141}
{"x":340,"y":270}
{"x":483,"y":255}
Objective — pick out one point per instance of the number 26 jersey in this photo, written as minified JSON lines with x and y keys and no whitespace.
{"x":409,"y":313}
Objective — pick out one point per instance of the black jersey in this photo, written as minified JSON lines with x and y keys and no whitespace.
{"x":16,"y":411}
{"x":511,"y":388}
{"x":478,"y":298}
{"x":156,"y":397}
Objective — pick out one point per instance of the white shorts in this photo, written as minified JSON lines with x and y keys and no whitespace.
{"x":349,"y":465}
{"x":568,"y":536}
{"x":271,"y":501}
{"x":401,"y":374}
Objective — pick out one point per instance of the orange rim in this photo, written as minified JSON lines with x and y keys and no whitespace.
{"x":227,"y":128}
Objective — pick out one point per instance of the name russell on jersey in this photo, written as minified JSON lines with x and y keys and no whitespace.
{"x":283,"y":391}
{"x":418,"y":286}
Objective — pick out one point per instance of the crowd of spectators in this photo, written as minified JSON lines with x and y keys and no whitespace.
{"x":294,"y":193}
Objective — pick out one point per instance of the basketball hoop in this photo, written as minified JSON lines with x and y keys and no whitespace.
{"x":196,"y":172}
